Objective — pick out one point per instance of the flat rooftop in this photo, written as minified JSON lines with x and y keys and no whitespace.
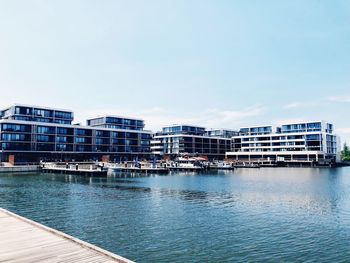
{"x":35,"y":106}
{"x":114,"y":116}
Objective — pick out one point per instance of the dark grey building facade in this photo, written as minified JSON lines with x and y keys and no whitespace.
{"x":31,"y":133}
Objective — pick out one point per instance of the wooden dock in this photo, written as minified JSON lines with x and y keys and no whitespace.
{"x":145,"y":170}
{"x":23,"y":240}
{"x":19,"y":169}
{"x":88,"y":172}
{"x":186,"y":169}
{"x":88,"y":169}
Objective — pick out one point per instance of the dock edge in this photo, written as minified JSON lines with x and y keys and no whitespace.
{"x":70,"y":238}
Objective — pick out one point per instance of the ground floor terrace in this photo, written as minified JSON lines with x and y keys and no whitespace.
{"x":36,"y":157}
{"x":281,"y":157}
{"x":206,"y":156}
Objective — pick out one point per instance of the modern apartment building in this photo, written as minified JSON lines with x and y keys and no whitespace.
{"x":116,"y":122}
{"x":294,"y":142}
{"x":31,"y":133}
{"x":178,"y":140}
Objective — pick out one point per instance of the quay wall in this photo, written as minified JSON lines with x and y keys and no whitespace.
{"x":20,"y":169}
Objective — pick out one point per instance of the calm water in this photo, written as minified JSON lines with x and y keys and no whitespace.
{"x":249,"y":215}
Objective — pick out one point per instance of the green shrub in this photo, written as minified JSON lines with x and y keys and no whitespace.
{"x":345,"y":153}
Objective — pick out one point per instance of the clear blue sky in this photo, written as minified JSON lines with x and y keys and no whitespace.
{"x":213,"y":63}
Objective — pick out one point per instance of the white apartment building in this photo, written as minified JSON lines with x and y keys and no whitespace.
{"x":292,"y":142}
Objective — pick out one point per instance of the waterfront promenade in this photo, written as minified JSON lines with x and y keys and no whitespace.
{"x":23,"y":240}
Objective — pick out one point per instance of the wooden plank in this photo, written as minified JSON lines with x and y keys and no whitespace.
{"x":23,"y":240}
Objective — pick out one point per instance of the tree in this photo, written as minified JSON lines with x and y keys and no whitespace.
{"x":345,"y":153}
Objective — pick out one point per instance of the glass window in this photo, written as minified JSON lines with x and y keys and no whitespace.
{"x":23,"y":110}
{"x":80,"y":139}
{"x":61,"y":130}
{"x":15,"y":146}
{"x":15,"y":127}
{"x":45,"y":130}
{"x":43,"y":113}
{"x":63,"y":115}
{"x":61,"y":139}
{"x":45,"y":147}
{"x":83,"y":132}
{"x":14,"y":137}
{"x":43,"y":138}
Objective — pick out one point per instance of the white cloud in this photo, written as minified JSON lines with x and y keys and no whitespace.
{"x":238,"y":115}
{"x":345,"y":99}
{"x":231,"y":118}
{"x":157,"y":117}
{"x":343,"y":131}
{"x":301,"y":104}
{"x":292,"y":105}
{"x":154,"y":117}
{"x":316,"y":102}
{"x":344,"y":134}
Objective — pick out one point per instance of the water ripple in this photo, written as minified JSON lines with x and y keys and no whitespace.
{"x":266,"y":215}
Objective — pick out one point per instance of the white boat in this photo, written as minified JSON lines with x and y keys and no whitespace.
{"x":224,"y":165}
{"x":191,"y":163}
